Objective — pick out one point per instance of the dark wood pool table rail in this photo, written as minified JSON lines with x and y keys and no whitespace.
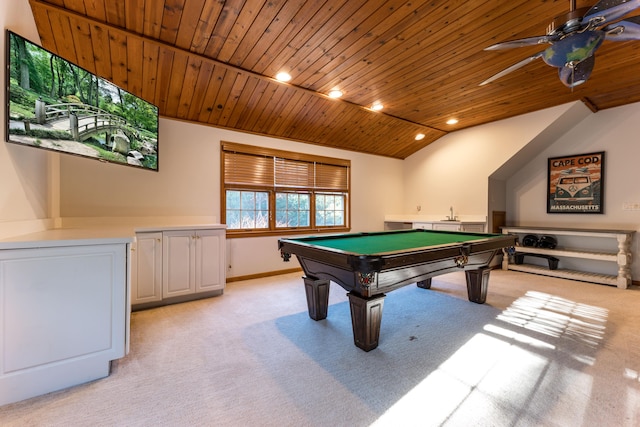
{"x":368,"y":277}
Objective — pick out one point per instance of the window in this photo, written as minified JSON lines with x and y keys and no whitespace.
{"x":268,"y":191}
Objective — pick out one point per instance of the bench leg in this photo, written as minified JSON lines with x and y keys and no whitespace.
{"x":366,"y":315}
{"x":477,"y":284}
{"x":424,"y":284}
{"x":317,"y":297}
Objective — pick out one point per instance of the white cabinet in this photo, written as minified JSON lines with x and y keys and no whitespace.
{"x":192,"y":262}
{"x":422,"y":225}
{"x":178,"y":264}
{"x":146,"y":268}
{"x":471,"y":227}
{"x":619,"y":254}
{"x":64,"y":314}
{"x":454,"y":226}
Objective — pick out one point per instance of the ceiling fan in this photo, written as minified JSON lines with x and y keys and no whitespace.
{"x":575,"y":37}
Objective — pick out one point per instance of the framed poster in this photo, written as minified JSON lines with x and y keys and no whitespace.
{"x":575,"y":184}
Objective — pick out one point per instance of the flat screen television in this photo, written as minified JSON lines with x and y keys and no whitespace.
{"x":55,"y":105}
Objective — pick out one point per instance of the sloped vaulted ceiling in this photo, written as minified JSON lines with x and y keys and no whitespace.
{"x":213,"y":62}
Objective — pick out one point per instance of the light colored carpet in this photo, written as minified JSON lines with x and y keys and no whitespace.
{"x":540,"y":352}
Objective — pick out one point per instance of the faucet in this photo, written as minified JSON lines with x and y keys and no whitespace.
{"x":451,"y":216}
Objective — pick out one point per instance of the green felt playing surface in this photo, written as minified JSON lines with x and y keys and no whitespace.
{"x":369,"y":244}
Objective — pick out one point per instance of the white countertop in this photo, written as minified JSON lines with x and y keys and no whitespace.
{"x":89,"y":236}
{"x":461,"y":219}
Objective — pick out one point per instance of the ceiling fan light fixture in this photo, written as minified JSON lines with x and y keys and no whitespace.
{"x":283,"y":76}
{"x":575,"y":37}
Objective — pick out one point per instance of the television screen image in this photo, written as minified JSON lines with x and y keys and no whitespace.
{"x":56,"y":105}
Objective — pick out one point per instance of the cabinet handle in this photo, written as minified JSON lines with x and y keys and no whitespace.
{"x":159,"y":240}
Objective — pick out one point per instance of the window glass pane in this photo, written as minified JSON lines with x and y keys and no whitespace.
{"x":292,"y":202}
{"x":262,"y":219}
{"x":330,"y":203}
{"x":262,"y":201}
{"x":330,"y":219}
{"x":247,"y":210}
{"x":304,"y":220}
{"x":305,"y":200}
{"x":248,"y":219}
{"x":233,"y":219}
{"x":330,"y":210}
{"x":248,"y":200}
{"x":233,"y":200}
{"x":292,"y":210}
{"x":292,"y":219}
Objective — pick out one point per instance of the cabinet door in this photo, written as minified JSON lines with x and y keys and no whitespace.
{"x":446,"y":227}
{"x":422,"y":225}
{"x":473,"y":228}
{"x":146,"y":268}
{"x":210,"y":260}
{"x":178,"y":265}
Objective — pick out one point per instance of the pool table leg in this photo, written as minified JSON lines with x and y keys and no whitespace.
{"x":317,"y":297}
{"x":477,"y":284}
{"x":366,"y":315}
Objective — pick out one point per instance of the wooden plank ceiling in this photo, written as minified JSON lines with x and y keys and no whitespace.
{"x":213,"y":62}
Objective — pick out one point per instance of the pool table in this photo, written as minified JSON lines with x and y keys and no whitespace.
{"x":369,"y":264}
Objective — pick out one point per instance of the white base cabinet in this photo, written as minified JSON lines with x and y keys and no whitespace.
{"x":470,"y":227}
{"x":64,"y":314}
{"x":178,"y":264}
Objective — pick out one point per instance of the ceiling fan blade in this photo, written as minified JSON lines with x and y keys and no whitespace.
{"x":572,"y":76}
{"x":529,"y":41}
{"x":606,"y":11}
{"x":621,"y":31}
{"x":512,"y":68}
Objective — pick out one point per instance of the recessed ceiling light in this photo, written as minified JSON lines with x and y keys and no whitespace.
{"x":283,"y":76}
{"x":335,"y":93}
{"x":452,"y":121}
{"x":377,"y":106}
{"x":419,"y":136}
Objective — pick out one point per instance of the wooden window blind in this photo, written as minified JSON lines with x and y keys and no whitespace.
{"x":248,"y":169}
{"x":258,"y":166}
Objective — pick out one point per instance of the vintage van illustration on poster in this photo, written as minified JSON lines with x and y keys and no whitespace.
{"x":576,"y":183}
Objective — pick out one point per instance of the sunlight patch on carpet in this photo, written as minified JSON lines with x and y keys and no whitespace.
{"x":502,"y":372}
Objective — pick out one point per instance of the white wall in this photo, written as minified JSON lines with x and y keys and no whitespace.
{"x":24,"y":172}
{"x":454,"y":170}
{"x":186,"y":184}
